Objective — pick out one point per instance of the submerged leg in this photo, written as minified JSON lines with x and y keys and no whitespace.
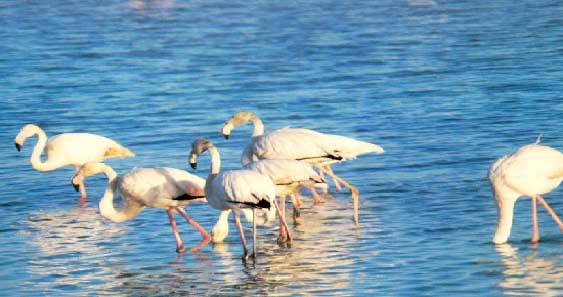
{"x":241,"y":233}
{"x":179,"y":244}
{"x":551,"y":212}
{"x":205,"y":237}
{"x":535,"y":229}
{"x":355,"y":196}
{"x":334,"y":180}
{"x":281,"y":236}
{"x":296,"y":211}
{"x":283,"y":223}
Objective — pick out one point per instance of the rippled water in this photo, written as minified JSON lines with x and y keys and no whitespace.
{"x":445,"y":87}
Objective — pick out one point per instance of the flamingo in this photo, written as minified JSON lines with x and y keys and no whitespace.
{"x":532,"y":170}
{"x":234,"y":190}
{"x":69,"y":149}
{"x":165,"y":188}
{"x":288,"y":176}
{"x":315,"y":148}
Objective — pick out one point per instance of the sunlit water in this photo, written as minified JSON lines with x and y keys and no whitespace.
{"x":444,"y":87}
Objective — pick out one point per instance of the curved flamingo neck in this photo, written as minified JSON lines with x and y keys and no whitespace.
{"x":221,"y":228}
{"x":258,"y":126}
{"x":35,"y":159}
{"x":107,"y":209}
{"x":505,"y":213}
{"x":215,"y":161}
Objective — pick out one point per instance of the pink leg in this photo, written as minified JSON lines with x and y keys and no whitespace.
{"x":551,"y":212}
{"x":283,"y":223}
{"x":81,"y":186}
{"x":282,"y":235}
{"x":535,"y":229}
{"x":334,"y":180}
{"x":179,"y":244}
{"x":205,"y":237}
{"x":241,"y":233}
{"x":297,"y":201}
{"x":296,"y":204}
{"x":354,"y":190}
{"x":316,"y":197}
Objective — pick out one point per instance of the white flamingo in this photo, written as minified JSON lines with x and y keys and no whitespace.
{"x":69,"y":149}
{"x":288,"y":176}
{"x":165,"y":188}
{"x":533,"y":170}
{"x":315,"y":148}
{"x":245,"y":190}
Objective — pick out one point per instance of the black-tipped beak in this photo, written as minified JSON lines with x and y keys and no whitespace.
{"x":75,"y":186}
{"x":226,"y":136}
{"x":18,"y":146}
{"x":194,"y":165}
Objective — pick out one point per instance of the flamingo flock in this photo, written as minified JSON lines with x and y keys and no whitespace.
{"x":278,"y":163}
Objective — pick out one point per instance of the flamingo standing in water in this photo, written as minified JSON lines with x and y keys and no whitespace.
{"x":288,"y":176}
{"x":165,"y":188}
{"x":533,"y":170}
{"x":234,"y":190}
{"x":69,"y":149}
{"x":315,"y":148}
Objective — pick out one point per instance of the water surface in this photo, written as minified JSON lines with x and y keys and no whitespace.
{"x":445,"y":87}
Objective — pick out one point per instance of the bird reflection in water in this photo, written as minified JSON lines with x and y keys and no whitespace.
{"x":322,"y":246}
{"x":73,"y":246}
{"x":533,"y":274}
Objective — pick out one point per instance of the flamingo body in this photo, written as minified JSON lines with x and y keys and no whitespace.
{"x":236,"y":190}
{"x":306,"y":145}
{"x":69,"y":149}
{"x":532,"y":170}
{"x":165,"y":188}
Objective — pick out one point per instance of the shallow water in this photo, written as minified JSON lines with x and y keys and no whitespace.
{"x":444,"y":87}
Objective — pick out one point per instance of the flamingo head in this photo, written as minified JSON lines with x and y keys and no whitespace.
{"x":199,"y":146}
{"x":238,"y":118}
{"x":88,"y":169}
{"x":25,"y":132}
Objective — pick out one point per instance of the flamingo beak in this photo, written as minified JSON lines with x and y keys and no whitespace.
{"x":226,"y":136}
{"x":18,"y":146}
{"x":193,"y":165}
{"x":75,"y":186}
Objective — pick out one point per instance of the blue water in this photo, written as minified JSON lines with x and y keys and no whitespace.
{"x":445,"y":87}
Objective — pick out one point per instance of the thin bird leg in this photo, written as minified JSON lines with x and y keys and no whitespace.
{"x":202,"y":231}
{"x":281,"y":236}
{"x":535,"y":229}
{"x":296,"y":211}
{"x":283,"y":223}
{"x":81,"y":187}
{"x":179,"y":244}
{"x":354,"y":190}
{"x":241,"y":233}
{"x":254,"y":233}
{"x":334,"y":180}
{"x":316,"y":197}
{"x":551,"y":212}
{"x":297,"y":199}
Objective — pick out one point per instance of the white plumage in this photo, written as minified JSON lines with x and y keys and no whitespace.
{"x":69,"y":149}
{"x":288,"y":176}
{"x":165,"y":188}
{"x":236,"y":190}
{"x":532,"y":170}
{"x":306,"y":145}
